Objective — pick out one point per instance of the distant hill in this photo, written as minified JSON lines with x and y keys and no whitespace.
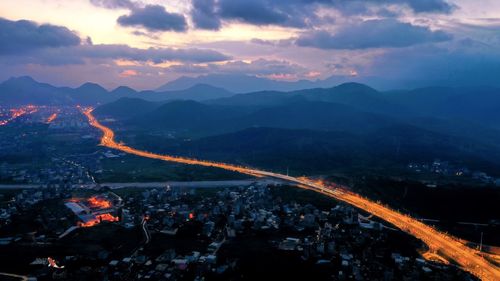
{"x":198,"y":92}
{"x":351,"y":125}
{"x":356,"y":95}
{"x":126,"y":108}
{"x":432,"y":108}
{"x":262,"y":98}
{"x":123,"y":91}
{"x":25,"y":90}
{"x":322,"y":151}
{"x":313,"y":115}
{"x":188,"y":116}
{"x":91,"y":93}
{"x":471,"y":106}
{"x":467,"y":104}
{"x":198,"y":119}
{"x":241,"y":83}
{"x":237,"y":83}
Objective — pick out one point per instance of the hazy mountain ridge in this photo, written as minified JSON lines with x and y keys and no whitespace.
{"x":440,"y":108}
{"x":242,"y":83}
{"x":375,"y":126}
{"x":353,"y":94}
{"x":236,"y":83}
{"x":25,"y":90}
{"x":471,"y":104}
{"x":456,"y":120}
{"x":126,"y":108}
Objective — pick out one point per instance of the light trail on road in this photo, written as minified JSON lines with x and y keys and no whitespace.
{"x":51,"y":118}
{"x":446,"y":245}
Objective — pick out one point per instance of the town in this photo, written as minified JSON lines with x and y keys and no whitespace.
{"x":68,"y":218}
{"x":189,"y":233}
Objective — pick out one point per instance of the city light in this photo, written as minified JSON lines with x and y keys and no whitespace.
{"x":18,"y":112}
{"x":96,"y":202}
{"x":51,"y":118}
{"x":98,"y":219}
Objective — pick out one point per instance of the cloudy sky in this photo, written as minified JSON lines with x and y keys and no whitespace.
{"x":144,"y":44}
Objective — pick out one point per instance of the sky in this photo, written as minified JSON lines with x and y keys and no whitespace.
{"x":144,"y":44}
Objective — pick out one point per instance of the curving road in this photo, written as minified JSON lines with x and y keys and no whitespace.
{"x":145,"y":230}
{"x":448,"y":246}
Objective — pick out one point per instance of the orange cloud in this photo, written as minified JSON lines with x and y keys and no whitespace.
{"x":128,"y":73}
{"x":313,"y":74}
{"x":281,"y":76}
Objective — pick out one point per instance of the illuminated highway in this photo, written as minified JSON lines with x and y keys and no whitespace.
{"x":447,"y":246}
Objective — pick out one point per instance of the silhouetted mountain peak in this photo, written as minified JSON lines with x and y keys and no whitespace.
{"x":126,"y":107}
{"x":236,"y":83}
{"x":26,"y":80}
{"x":123,"y":90}
{"x":353,"y":87}
{"x":88,"y":86}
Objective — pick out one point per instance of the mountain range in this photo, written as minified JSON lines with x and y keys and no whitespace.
{"x":239,"y":83}
{"x":22,"y":90}
{"x":25,"y":90}
{"x":242,"y":83}
{"x":349,"y":124}
{"x":400,"y":125}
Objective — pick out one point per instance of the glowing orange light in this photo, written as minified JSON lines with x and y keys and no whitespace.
{"x":98,"y":219}
{"x":431,"y":256}
{"x":52,"y":118}
{"x":96,"y":202}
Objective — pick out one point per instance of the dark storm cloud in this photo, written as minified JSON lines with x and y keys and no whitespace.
{"x":259,"y":67}
{"x":79,"y":55}
{"x":113,"y":4}
{"x":156,"y":55}
{"x":24,"y":42}
{"x":299,"y":13}
{"x":468,"y":63}
{"x":154,"y":18}
{"x":204,"y":15}
{"x":22,"y":36}
{"x":430,"y":6}
{"x":373,"y":34}
{"x":417,"y":6}
{"x":209,"y":14}
{"x":263,"y":12}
